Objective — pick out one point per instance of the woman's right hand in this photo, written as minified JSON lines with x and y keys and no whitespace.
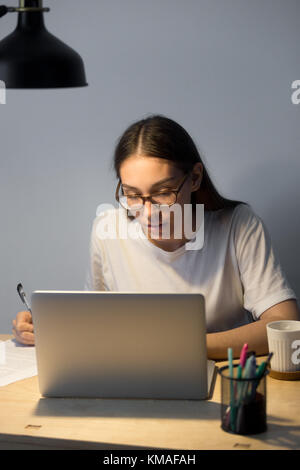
{"x":23,"y":328}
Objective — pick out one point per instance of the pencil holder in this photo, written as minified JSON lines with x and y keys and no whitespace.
{"x":243,"y":403}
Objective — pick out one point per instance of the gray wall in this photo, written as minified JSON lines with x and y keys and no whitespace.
{"x":222,"y":68}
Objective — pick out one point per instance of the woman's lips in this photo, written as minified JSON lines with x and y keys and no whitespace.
{"x":146,"y":224}
{"x":149,"y":225}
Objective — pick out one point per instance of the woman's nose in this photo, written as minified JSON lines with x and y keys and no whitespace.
{"x":152,"y":214}
{"x":147,"y":209}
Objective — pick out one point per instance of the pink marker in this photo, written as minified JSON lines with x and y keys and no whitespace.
{"x":243,"y":355}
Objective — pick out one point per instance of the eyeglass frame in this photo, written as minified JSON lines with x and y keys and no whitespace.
{"x":176,"y":191}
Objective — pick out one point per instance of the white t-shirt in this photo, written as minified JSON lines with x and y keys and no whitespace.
{"x":236,"y":269}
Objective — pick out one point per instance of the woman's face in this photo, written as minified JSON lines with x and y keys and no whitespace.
{"x":146,"y":176}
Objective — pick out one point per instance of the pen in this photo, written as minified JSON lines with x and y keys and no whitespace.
{"x":251,"y":384}
{"x":243,"y":357}
{"x":244,"y":385}
{"x":232,"y":413}
{"x":247,"y":372}
{"x":247,"y":375}
{"x":22,"y":295}
{"x":259,"y":374}
{"x":261,"y":369}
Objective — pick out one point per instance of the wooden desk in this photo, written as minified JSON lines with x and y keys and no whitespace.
{"x":28,"y":421}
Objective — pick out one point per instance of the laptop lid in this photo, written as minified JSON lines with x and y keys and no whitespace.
{"x":120,"y":344}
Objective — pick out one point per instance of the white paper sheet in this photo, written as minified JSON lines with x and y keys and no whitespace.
{"x":17,"y":362}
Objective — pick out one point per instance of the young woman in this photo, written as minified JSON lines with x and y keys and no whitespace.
{"x":158,"y":165}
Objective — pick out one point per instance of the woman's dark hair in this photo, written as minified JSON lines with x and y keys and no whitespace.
{"x":161,"y":137}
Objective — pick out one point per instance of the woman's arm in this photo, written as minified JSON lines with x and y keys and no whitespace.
{"x":255,"y":334}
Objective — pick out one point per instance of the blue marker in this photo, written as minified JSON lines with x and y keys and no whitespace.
{"x":246,"y":375}
{"x":252,"y":374}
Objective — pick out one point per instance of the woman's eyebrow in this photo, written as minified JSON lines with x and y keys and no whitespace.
{"x":158,"y":183}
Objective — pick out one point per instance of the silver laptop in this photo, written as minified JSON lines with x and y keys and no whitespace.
{"x":121,"y":344}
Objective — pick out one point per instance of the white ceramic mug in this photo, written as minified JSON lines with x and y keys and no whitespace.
{"x":284,"y":342}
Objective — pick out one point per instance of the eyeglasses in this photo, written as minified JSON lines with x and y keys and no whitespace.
{"x":137,"y":201}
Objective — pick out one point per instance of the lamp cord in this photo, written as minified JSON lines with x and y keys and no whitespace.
{"x":4,"y":9}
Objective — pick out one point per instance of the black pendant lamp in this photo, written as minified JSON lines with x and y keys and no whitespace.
{"x":31,"y":57}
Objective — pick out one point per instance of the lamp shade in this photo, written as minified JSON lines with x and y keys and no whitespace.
{"x":32,"y":57}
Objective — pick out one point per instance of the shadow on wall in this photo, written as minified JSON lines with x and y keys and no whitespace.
{"x":274,"y":196}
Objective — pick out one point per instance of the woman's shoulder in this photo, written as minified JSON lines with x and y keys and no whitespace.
{"x":246,"y":224}
{"x":244,"y":213}
{"x":238,"y":219}
{"x":241,"y":213}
